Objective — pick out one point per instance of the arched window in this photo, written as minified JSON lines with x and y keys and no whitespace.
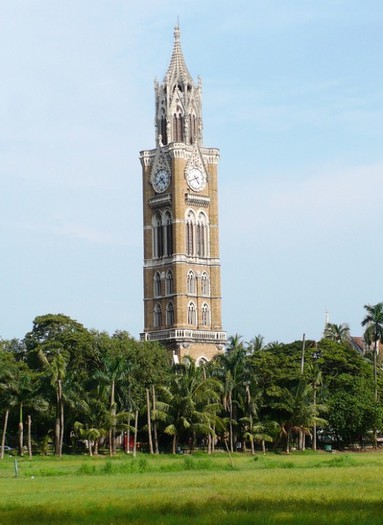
{"x":190,"y":226}
{"x":170,"y":314}
{"x":168,"y":233}
{"x":202,"y":235}
{"x":163,"y":128}
{"x":191,"y":282}
{"x":157,"y":284}
{"x":192,"y":128}
{"x":169,"y":285}
{"x":178,"y":125}
{"x":158,"y":241}
{"x":205,"y":284}
{"x":192,"y":314}
{"x":157,"y":316}
{"x":205,"y":315}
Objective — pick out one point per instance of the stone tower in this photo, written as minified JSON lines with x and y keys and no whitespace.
{"x":182,"y":281}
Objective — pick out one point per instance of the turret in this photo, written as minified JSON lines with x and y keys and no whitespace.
{"x":178,"y":102}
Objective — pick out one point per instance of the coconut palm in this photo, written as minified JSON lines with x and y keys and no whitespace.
{"x":340,"y":333}
{"x":230,"y":369}
{"x":303,"y":413}
{"x":194,"y":403}
{"x":373,"y":322}
{"x":55,"y":364}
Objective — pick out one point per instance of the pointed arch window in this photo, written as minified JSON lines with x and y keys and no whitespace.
{"x":163,"y":127}
{"x":158,"y":241}
{"x":178,"y":125}
{"x":191,"y":282}
{"x":202,"y":235}
{"x":190,"y":232}
{"x":157,"y":316}
{"x":192,"y":128}
{"x":169,"y":284}
{"x":169,"y":314}
{"x":192,"y":314}
{"x":205,"y":315}
{"x":205,"y":284}
{"x":168,"y":233}
{"x":157,"y":284}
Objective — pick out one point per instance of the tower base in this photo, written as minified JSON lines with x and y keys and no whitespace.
{"x":201,"y":345}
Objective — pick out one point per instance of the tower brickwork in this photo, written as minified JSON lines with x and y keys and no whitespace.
{"x":182,"y":281}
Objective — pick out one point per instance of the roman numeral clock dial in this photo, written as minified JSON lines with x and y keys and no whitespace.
{"x":161,"y":181}
{"x":196,"y":179}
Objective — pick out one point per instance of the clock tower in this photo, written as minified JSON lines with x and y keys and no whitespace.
{"x":182,"y":281}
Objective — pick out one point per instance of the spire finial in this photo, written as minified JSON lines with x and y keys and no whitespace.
{"x":177,"y":70}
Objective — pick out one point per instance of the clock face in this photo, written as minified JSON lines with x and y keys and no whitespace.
{"x":196,"y":179}
{"x":161,"y":180}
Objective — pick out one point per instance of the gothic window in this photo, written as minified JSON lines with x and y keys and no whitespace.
{"x":157,"y":284}
{"x":178,"y":126}
{"x":202,"y":235}
{"x":192,"y":314}
{"x":205,"y":315}
{"x":190,"y":232}
{"x":157,"y":316}
{"x":168,"y":233}
{"x":191,"y":282}
{"x":169,"y":283}
{"x":158,"y":241}
{"x":170,"y":314}
{"x":205,"y":284}
{"x":192,"y":128}
{"x":163,"y":128}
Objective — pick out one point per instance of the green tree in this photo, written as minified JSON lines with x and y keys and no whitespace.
{"x":373,"y":321}
{"x":230,"y":370}
{"x":340,"y":333}
{"x":54,"y":364}
{"x":194,"y":403}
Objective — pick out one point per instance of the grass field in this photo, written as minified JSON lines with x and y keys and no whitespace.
{"x":199,"y":489}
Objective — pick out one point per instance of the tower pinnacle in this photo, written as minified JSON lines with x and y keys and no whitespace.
{"x":177,"y":71}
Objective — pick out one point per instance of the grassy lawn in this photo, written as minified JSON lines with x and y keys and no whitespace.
{"x":298,"y":489}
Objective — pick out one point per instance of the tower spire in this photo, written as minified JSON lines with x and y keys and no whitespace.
{"x":177,"y":70}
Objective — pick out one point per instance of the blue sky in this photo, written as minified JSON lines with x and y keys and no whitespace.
{"x":292,"y":96}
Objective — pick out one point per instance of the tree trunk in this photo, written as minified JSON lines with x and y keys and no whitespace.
{"x":231,"y":425}
{"x":21,"y":431}
{"x":375,"y":369}
{"x":128,"y":438}
{"x":30,"y":437}
{"x":112,"y":432}
{"x":4,"y":433}
{"x":135,"y":434}
{"x":156,"y":447}
{"x":288,"y":442}
{"x":315,"y":425}
{"x":57,"y":422}
{"x":61,"y":420}
{"x":148,"y":410}
{"x":263,"y":444}
{"x":174,"y":444}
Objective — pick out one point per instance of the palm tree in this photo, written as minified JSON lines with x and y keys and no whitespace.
{"x":112,"y":373}
{"x":231,"y":373}
{"x":194,"y":403}
{"x":340,"y":333}
{"x":303,"y":413}
{"x":55,"y":367}
{"x":315,"y":380}
{"x":374,"y":333}
{"x":8,"y":387}
{"x":256,"y":344}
